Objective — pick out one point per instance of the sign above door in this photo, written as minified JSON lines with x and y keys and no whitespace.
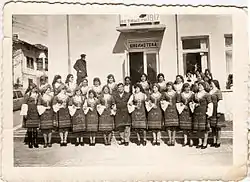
{"x":143,"y":44}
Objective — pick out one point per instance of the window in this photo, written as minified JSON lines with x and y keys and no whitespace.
{"x":30,"y":80}
{"x":19,"y":94}
{"x":195,"y":54}
{"x":30,"y":62}
{"x":39,"y":62}
{"x":14,"y":95}
{"x":229,"y":53}
{"x":46,"y":64}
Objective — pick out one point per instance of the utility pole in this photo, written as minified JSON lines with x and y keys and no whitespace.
{"x":68,"y":44}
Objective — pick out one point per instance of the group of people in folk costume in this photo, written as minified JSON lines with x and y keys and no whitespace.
{"x":192,"y":103}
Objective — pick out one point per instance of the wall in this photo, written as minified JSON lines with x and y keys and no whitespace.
{"x":215,"y":27}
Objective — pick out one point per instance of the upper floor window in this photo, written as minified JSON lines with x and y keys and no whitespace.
{"x":229,"y":59}
{"x":46,"y":64}
{"x":30,"y":62}
{"x":39,"y":62}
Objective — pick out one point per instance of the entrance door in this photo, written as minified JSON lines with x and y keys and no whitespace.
{"x":136,"y":66}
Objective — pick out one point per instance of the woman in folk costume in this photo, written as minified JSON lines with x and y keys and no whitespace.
{"x":84,"y":87}
{"x":69,"y":83}
{"x":136,"y":106}
{"x":56,"y":84}
{"x":30,"y":113}
{"x":203,"y":108}
{"x":97,"y":88}
{"x":161,"y":82}
{"x":60,"y":107}
{"x":185,"y":113}
{"x":178,"y":83}
{"x":111,"y":83}
{"x":128,"y":85}
{"x":46,"y":113}
{"x":122,"y":117}
{"x":91,"y":116}
{"x":171,"y":120}
{"x":155,"y":116}
{"x":105,"y":108}
{"x":217,"y":121}
{"x":76,"y":107}
{"x":145,"y":83}
{"x":189,"y":78}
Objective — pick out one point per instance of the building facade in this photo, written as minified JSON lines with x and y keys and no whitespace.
{"x":150,"y":43}
{"x":29,"y":63}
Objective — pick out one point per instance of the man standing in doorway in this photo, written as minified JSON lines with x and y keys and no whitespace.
{"x":81,"y":68}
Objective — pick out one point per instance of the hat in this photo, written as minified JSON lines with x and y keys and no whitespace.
{"x":83,"y":55}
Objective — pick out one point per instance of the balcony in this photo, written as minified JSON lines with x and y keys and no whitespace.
{"x":140,"y":23}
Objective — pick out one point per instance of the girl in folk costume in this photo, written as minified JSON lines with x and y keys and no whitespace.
{"x":145,"y":84}
{"x":168,"y":104}
{"x":105,"y":108}
{"x":122,"y":117}
{"x":217,"y":120}
{"x":161,"y":82}
{"x":203,"y":108}
{"x":208,"y":75}
{"x":178,"y":83}
{"x":30,"y":113}
{"x":155,"y":116}
{"x":136,"y":106}
{"x":84,"y":87}
{"x":56,"y":84}
{"x":76,"y":106}
{"x":46,"y":113}
{"x":97,"y":88}
{"x":60,"y":107}
{"x":128,"y":85}
{"x":111,"y":83}
{"x":185,"y":114}
{"x":70,"y":85}
{"x":91,"y":116}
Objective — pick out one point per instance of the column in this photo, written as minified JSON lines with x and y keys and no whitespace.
{"x":57,"y":47}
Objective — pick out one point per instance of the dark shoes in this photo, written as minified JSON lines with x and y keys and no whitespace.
{"x":217,"y":145}
{"x":49,"y":145}
{"x":144,"y":143}
{"x":204,"y":147}
{"x":126,"y":143}
{"x":198,"y":146}
{"x":30,"y":145}
{"x":45,"y":145}
{"x":81,"y":143}
{"x":77,"y":144}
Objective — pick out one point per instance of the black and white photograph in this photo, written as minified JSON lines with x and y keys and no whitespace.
{"x":124,"y":89}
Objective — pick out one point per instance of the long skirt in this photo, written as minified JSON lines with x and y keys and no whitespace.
{"x":217,"y":121}
{"x":155,"y":118}
{"x":47,"y":120}
{"x":171,"y":117}
{"x":122,"y":118}
{"x":78,"y":121}
{"x":200,"y":119}
{"x":64,"y":121}
{"x":139,"y":118}
{"x":92,"y":121}
{"x":33,"y":119}
{"x":186,"y":119}
{"x":106,"y":121}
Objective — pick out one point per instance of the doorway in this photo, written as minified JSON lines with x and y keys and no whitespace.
{"x":143,"y":62}
{"x":136,"y":66}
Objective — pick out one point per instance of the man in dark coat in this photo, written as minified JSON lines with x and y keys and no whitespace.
{"x":81,"y":68}
{"x":122,"y":118}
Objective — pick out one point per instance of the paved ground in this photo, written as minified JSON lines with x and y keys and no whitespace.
{"x":119,"y":155}
{"x":115,"y":154}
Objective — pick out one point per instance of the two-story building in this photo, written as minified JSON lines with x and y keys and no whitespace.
{"x":29,"y":62}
